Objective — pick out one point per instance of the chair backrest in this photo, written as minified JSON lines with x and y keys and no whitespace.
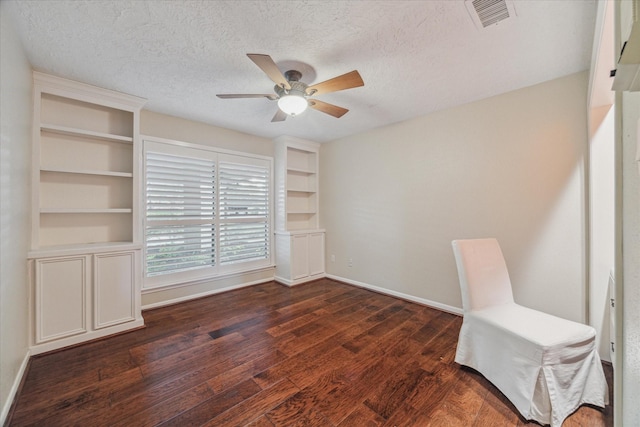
{"x":484,"y":279}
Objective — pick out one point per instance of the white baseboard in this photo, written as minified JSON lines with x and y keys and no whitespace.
{"x":291,"y":283}
{"x":14,"y":389}
{"x":423,"y":301}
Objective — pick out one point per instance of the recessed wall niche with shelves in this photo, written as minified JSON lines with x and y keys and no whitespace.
{"x":299,"y":241}
{"x":84,"y":149}
{"x":86,"y":240}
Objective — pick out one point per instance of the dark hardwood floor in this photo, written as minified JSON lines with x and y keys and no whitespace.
{"x":319,"y":354}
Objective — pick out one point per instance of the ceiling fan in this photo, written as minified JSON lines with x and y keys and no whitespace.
{"x":294,"y":96}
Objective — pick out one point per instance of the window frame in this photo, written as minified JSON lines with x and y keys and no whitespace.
{"x":218,"y":155}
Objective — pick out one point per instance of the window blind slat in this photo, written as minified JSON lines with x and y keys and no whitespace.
{"x":200,"y":213}
{"x":181,"y":190}
{"x":244,"y":192}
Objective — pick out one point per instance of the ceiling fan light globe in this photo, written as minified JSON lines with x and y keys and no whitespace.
{"x":293,"y":104}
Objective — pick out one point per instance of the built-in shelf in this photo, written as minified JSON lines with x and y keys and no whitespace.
{"x":87,"y":172}
{"x":301,"y":190}
{"x":301,"y":212}
{"x":65,"y":130}
{"x":300,"y":170}
{"x":85,"y":258}
{"x":299,"y":241}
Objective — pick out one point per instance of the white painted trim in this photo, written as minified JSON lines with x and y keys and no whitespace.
{"x":203,"y":147}
{"x":88,"y":336}
{"x":203,"y":294}
{"x":284,"y":281}
{"x":295,"y":282}
{"x":14,"y":388}
{"x":211,"y":278}
{"x":299,"y":143}
{"x":82,"y":249}
{"x":428,"y":303}
{"x":87,"y":93}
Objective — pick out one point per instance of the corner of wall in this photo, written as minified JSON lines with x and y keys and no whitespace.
{"x":15,"y":157}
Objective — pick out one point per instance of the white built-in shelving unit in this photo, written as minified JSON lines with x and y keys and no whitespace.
{"x":85,"y":245}
{"x":299,"y":240}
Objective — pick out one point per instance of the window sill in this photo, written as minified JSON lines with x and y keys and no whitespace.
{"x":196,"y":281}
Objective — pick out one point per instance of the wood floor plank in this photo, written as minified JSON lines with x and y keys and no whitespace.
{"x":255,"y":406}
{"x":245,"y":371}
{"x":363,"y":375}
{"x":263,"y":421}
{"x":64,"y":407}
{"x":215,"y":405}
{"x":154,"y":415}
{"x":362,"y":416}
{"x":461,"y":405}
{"x":296,"y":322}
{"x":392,"y":394}
{"x":322,"y":353}
{"x":179,"y":363}
{"x":496,"y":411}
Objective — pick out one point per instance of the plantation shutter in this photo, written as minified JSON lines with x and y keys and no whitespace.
{"x":180,"y":213}
{"x":208,"y":212}
{"x":243,"y":212}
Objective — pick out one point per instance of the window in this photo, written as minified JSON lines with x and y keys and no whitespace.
{"x":207,"y":213}
{"x":244,"y":213}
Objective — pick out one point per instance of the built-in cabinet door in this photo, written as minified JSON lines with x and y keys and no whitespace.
{"x":299,"y":256}
{"x":316,"y":253}
{"x":61,"y":299}
{"x":114,"y":289}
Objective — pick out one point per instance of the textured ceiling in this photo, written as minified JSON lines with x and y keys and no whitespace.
{"x":415,"y":57}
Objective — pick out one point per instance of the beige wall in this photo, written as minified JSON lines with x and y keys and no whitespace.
{"x":169,"y":127}
{"x":510,"y":166}
{"x":15,"y":196}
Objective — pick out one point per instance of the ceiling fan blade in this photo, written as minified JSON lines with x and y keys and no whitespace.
{"x":345,"y":81}
{"x":330,"y":109}
{"x":272,"y":97}
{"x":270,"y":68}
{"x":280,"y":116}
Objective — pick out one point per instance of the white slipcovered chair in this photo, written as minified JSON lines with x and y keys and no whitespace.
{"x":546,"y":366}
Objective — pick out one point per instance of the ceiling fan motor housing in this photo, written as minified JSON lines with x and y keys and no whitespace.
{"x":293,"y":75}
{"x":293,"y":96}
{"x":298,"y":88}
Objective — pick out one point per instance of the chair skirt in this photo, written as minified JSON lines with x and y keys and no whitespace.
{"x":546,"y":366}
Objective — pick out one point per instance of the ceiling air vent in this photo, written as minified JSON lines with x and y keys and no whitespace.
{"x":486,"y":13}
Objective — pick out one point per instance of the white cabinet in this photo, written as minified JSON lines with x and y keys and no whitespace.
{"x":86,"y":235}
{"x":79,"y":297}
{"x":61,"y":297}
{"x":299,"y":240}
{"x":114,"y":293}
{"x":316,"y":253}
{"x":300,"y":256}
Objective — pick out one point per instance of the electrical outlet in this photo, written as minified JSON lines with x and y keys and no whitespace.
{"x":333,"y":258}
{"x":350,"y":262}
